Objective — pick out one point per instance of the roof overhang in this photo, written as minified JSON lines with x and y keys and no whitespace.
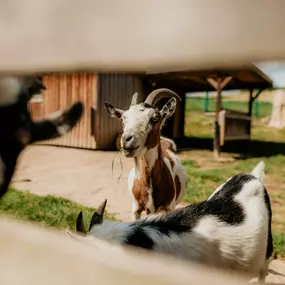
{"x":243,"y":77}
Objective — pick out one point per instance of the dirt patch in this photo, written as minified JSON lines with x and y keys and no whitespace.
{"x":79,"y":175}
{"x":205,"y":159}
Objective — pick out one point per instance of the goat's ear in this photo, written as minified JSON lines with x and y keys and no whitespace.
{"x":112,"y":111}
{"x":97,"y":217}
{"x":168,"y":109}
{"x":135,"y":99}
{"x":79,"y":224}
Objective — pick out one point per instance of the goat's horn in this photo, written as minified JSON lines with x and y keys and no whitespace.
{"x":134,"y":99}
{"x":159,"y":94}
{"x":79,"y":223}
{"x":100,"y":210}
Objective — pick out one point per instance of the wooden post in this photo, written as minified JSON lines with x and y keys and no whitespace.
{"x":217,"y":148}
{"x":250,"y":102}
{"x":182,"y":117}
{"x":255,"y":107}
{"x":218,"y":84}
{"x":179,"y":115}
{"x":206,"y":105}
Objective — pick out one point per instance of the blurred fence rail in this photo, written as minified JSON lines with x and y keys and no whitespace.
{"x":138,"y":35}
{"x":32,"y":256}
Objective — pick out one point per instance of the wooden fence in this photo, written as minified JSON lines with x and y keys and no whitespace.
{"x":31,"y":255}
{"x":90,"y":35}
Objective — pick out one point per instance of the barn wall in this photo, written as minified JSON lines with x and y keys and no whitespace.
{"x":62,"y":90}
{"x":117,"y":89}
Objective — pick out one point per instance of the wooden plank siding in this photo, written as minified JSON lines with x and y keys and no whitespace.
{"x":96,"y":129}
{"x":63,"y":89}
{"x":117,"y":89}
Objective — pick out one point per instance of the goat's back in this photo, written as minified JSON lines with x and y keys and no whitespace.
{"x":175,"y":166}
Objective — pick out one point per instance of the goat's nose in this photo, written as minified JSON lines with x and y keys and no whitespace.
{"x":127,"y":138}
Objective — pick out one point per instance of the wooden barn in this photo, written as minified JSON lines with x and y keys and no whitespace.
{"x":98,"y":131}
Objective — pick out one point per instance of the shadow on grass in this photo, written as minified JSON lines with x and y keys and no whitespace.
{"x":245,"y":149}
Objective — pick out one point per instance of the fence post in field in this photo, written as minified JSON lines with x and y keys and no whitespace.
{"x":206,"y":104}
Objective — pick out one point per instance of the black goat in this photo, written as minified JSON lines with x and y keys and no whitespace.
{"x":17,"y":129}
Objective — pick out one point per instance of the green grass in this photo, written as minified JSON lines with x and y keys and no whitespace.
{"x":46,"y":210}
{"x":279,"y":243}
{"x":197,"y":104}
{"x":202,"y":182}
{"x":197,"y":124}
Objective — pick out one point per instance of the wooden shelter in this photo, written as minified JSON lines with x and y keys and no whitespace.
{"x":98,"y":131}
{"x":229,"y":124}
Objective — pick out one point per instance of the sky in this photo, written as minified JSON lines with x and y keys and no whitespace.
{"x":275,"y":70}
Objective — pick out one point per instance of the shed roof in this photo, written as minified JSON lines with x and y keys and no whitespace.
{"x":243,"y":77}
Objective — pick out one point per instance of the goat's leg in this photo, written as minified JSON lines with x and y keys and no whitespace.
{"x":172,"y":206}
{"x":162,"y":210}
{"x":136,"y":212}
{"x":263,"y":272}
{"x":136,"y":216}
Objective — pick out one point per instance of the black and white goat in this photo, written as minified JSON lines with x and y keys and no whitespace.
{"x":17,"y":129}
{"x":230,"y":230}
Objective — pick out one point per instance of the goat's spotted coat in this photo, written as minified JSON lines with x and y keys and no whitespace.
{"x":231,"y":230}
{"x":158,"y":181}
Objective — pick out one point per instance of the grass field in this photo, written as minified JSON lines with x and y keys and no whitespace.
{"x":45,"y":210}
{"x":197,"y":124}
{"x":195,"y":104}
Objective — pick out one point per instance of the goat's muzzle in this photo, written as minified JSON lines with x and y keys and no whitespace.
{"x":129,"y":151}
{"x":129,"y":145}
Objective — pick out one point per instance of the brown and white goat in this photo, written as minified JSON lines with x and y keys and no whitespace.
{"x":158,"y":181}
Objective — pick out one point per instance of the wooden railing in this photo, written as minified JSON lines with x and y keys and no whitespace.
{"x":31,"y":256}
